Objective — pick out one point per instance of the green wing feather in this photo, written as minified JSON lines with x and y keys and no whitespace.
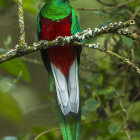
{"x":75,"y":27}
{"x":38,"y":23}
{"x":44,"y":55}
{"x":76,"y":119}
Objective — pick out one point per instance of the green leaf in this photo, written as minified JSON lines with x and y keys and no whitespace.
{"x":127,"y":41}
{"x":14,"y":67}
{"x":113,"y":128}
{"x":84,"y":110}
{"x":90,"y":106}
{"x":98,"y":79}
{"x":133,"y":112}
{"x":103,"y":65}
{"x":9,"y":108}
{"x":105,"y":91}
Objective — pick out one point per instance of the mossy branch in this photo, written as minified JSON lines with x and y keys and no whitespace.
{"x":118,"y":28}
{"x":22,"y":42}
{"x":123,"y":59}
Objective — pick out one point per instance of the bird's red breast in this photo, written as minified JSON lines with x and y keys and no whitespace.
{"x":63,"y":56}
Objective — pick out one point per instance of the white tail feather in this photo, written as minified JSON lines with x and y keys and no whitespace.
{"x":73,"y":86}
{"x":67,"y":91}
{"x":62,"y":90}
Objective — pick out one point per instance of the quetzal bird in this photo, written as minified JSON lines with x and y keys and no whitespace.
{"x":58,"y":18}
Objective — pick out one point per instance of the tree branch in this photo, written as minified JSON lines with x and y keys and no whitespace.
{"x":22,"y":42}
{"x":123,"y":59}
{"x":118,"y":28}
{"x":61,"y":41}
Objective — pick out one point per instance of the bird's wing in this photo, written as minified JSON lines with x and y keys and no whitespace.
{"x":44,"y":54}
{"x":73,"y":84}
{"x":38,"y":27}
{"x":75,"y":27}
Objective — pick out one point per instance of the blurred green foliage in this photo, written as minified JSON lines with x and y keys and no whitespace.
{"x":14,"y":67}
{"x":104,"y":80}
{"x":5,"y":4}
{"x":8,"y":107}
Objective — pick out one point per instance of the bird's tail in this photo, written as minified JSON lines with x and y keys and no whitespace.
{"x":76,"y":126}
{"x":67,"y":123}
{"x":65,"y":126}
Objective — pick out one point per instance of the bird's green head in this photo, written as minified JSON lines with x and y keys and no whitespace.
{"x":56,"y":9}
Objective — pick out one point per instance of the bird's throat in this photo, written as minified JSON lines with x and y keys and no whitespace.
{"x":56,"y":9}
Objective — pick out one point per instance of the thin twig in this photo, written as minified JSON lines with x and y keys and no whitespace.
{"x":45,"y":132}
